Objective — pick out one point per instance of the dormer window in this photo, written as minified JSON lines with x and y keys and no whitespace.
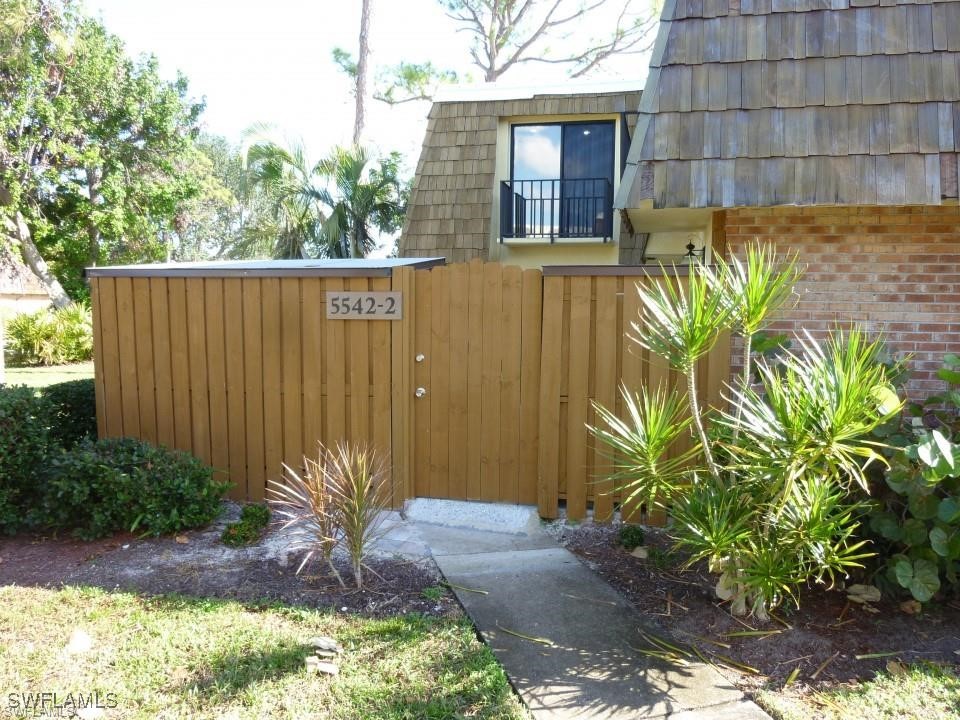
{"x":561,"y":182}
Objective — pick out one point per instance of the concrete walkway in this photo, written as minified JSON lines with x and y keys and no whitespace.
{"x":585,"y":666}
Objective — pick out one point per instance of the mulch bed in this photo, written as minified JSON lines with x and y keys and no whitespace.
{"x":825,"y":626}
{"x":202,"y":567}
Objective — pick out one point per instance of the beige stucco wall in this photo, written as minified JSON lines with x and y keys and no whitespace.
{"x":11,"y":305}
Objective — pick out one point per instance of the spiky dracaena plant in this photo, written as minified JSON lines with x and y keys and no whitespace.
{"x":781,"y":511}
{"x":754,"y":289}
{"x":357,"y":479}
{"x":681,"y":322}
{"x":655,"y":420}
{"x":305,"y":504}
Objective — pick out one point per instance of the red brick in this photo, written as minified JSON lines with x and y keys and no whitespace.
{"x":886,"y":268}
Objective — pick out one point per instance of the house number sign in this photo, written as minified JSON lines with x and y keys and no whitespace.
{"x":364,"y":305}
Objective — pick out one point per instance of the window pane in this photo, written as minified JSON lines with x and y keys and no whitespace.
{"x":587,"y":179}
{"x":588,"y":151}
{"x":536,"y":178}
{"x":536,"y":152}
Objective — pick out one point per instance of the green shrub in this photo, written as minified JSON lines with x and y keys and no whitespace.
{"x":74,"y":411}
{"x":52,"y":336}
{"x":916,"y":519}
{"x":25,"y":443}
{"x":90,"y":488}
{"x":630,"y":536}
{"x":253,"y":519}
{"x":124,"y":484}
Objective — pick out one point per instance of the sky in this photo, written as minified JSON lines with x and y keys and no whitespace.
{"x":269,"y":61}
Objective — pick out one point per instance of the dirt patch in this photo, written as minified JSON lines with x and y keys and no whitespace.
{"x":196,"y":563}
{"x":46,"y":560}
{"x":824,"y":627}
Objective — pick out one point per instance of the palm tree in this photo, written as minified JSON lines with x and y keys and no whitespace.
{"x":292,"y":185}
{"x":359,"y":199}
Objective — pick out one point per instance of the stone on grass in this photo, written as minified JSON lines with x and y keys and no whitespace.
{"x":326,"y":643}
{"x":316,"y":665}
{"x":80,"y":642}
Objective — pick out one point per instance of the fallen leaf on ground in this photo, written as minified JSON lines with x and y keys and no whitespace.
{"x":182,"y":539}
{"x":911,"y":607}
{"x":895,"y":667}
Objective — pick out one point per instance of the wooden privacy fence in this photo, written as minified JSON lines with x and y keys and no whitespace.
{"x":481,"y":390}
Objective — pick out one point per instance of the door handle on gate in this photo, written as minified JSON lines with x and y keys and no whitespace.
{"x":420,"y":392}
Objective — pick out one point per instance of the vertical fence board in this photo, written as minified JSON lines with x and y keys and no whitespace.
{"x":380,"y":378}
{"x":401,"y":389}
{"x":198,"y":355}
{"x":162,"y":373}
{"x":490,"y":381}
{"x":577,"y":397}
{"x":113,"y":407}
{"x":458,"y":281}
{"x":438,"y":392}
{"x":358,"y":370}
{"x":605,"y":389}
{"x":253,"y":386}
{"x":335,"y":380}
{"x":98,"y":360}
{"x":291,"y":332}
{"x":127,"y":349}
{"x":146,"y":386}
{"x":550,"y":380}
{"x":272,"y":377}
{"x":530,"y":321}
{"x":236,"y":407}
{"x":474,"y":383}
{"x":311,"y":349}
{"x":421,"y":379}
{"x":511,"y":353}
{"x":217,"y":376}
{"x":180,"y":365}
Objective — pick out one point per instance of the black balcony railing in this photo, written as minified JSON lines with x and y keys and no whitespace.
{"x":556,"y":209}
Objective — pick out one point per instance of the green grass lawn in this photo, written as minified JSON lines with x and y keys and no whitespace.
{"x":178,"y":657}
{"x":41,"y":376}
{"x":923,"y":692}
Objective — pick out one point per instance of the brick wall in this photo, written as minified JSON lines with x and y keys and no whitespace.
{"x":894,"y":270}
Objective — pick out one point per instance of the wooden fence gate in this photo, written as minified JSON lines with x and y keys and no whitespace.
{"x":481,"y":391}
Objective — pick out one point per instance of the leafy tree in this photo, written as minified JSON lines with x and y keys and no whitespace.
{"x":231,"y":216}
{"x":97,"y":157}
{"x":401,"y":83}
{"x":506,"y":33}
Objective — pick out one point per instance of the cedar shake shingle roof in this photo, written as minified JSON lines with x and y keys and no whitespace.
{"x":806,"y":102}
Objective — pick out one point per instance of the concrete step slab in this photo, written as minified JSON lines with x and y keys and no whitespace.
{"x":470,"y":515}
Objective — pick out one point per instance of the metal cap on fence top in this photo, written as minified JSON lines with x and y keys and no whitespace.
{"x":363,"y":267}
